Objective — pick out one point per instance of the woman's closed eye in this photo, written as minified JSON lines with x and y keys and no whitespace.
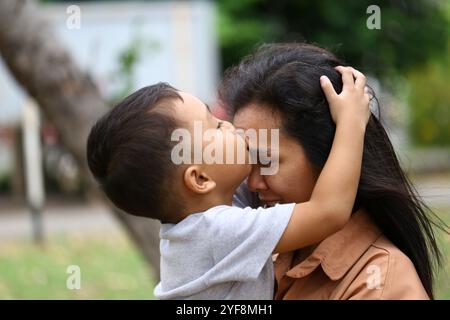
{"x":266,"y":164}
{"x":263,"y":161}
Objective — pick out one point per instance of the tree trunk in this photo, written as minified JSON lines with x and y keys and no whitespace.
{"x":66,"y":95}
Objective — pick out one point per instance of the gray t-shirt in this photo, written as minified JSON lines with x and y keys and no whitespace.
{"x":222,"y":253}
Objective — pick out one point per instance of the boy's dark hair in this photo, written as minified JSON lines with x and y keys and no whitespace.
{"x":128,"y":152}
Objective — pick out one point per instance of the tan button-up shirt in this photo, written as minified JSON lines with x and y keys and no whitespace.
{"x":357,"y":262}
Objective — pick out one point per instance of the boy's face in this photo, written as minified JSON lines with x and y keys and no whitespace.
{"x":222,"y":152}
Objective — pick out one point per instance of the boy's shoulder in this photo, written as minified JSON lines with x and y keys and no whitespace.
{"x":200,"y":220}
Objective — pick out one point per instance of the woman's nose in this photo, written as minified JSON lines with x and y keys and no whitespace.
{"x":255,"y":180}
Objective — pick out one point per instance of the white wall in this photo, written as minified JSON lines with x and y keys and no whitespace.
{"x":183,"y":33}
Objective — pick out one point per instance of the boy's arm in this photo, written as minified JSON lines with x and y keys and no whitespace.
{"x":334,"y":194}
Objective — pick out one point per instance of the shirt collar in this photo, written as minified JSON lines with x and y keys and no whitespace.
{"x":337,"y":253}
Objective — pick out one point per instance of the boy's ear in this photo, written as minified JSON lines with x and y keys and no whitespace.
{"x":197,"y":180}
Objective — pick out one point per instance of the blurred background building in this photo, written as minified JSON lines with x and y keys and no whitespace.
{"x":123,"y":46}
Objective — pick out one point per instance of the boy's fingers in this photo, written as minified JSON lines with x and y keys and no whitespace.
{"x":347,"y":77}
{"x":361,"y":79}
{"x":327,"y":88}
{"x":368,"y":92}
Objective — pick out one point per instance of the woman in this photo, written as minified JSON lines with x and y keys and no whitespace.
{"x":388,"y":249}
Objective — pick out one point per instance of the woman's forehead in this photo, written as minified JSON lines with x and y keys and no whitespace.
{"x":257,"y":116}
{"x":263,"y":118}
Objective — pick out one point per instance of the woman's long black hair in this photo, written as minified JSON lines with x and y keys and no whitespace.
{"x":285,"y":77}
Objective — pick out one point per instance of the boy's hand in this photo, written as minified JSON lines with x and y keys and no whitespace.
{"x":352,"y":104}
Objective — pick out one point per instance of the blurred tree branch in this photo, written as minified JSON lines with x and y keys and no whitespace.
{"x":66,"y":95}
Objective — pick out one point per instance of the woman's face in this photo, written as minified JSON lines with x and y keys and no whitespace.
{"x":296,"y":176}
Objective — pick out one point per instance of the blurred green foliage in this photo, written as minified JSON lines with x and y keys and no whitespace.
{"x":429,"y":99}
{"x":429,"y":102}
{"x":411,"y":31}
{"x":5,"y":182}
{"x":442,"y":287}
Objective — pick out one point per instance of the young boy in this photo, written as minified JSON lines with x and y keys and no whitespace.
{"x":209,"y":248}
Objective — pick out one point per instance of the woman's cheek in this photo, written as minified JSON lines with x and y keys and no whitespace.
{"x":277,"y":185}
{"x":291,"y":185}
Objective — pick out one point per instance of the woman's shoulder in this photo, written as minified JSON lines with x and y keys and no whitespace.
{"x":384,"y":251}
{"x":385,"y":272}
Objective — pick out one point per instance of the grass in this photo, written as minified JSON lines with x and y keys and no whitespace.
{"x":111,"y":268}
{"x":442,"y":284}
